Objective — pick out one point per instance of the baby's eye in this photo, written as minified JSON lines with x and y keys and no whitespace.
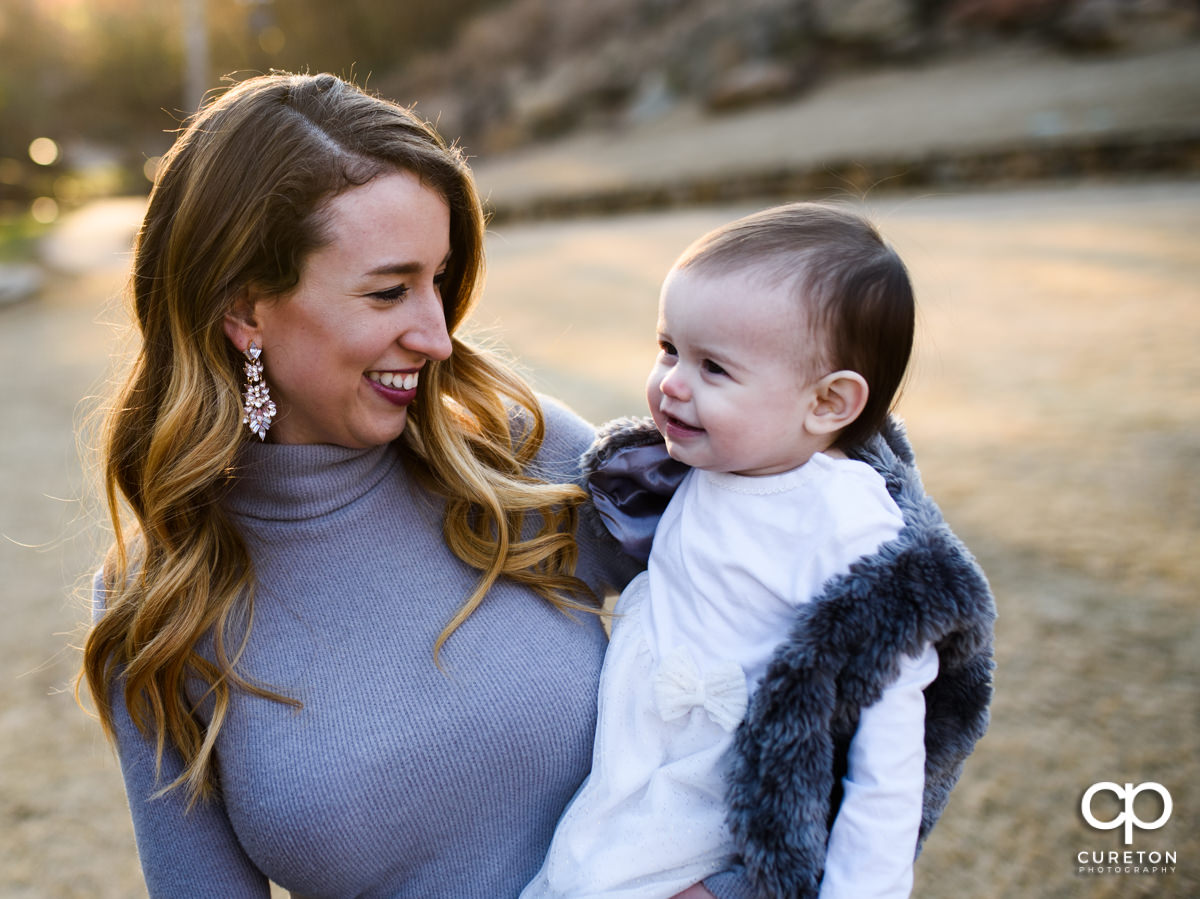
{"x":711,"y":367}
{"x":667,"y":348}
{"x":392,"y":294}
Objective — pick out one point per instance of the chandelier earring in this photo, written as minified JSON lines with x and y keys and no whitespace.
{"x":257,"y":407}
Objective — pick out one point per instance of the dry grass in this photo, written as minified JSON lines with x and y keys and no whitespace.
{"x":1054,"y":410}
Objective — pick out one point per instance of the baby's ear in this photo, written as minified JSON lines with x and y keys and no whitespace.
{"x":838,"y":399}
{"x":241,"y":322}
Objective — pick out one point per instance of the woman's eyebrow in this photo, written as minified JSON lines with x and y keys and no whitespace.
{"x":397,"y":268}
{"x":404,"y":268}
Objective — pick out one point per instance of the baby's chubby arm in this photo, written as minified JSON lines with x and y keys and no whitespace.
{"x":874,"y":837}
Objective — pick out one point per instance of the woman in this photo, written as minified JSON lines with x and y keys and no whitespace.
{"x":331,"y":645}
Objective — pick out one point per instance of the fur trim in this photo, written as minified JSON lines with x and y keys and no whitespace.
{"x":616,"y":435}
{"x":843,"y":650}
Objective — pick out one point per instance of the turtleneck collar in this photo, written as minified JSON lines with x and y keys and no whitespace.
{"x":293,"y":482}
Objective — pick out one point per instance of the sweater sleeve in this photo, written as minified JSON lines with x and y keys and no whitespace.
{"x":731,"y":884}
{"x":874,"y":836}
{"x":192,"y":853}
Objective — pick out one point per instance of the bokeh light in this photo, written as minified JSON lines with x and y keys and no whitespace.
{"x":150,"y":168}
{"x":272,"y":39}
{"x":44,"y":210}
{"x":70,"y":189}
{"x":43,"y":151}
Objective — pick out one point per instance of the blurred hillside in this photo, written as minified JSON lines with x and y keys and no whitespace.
{"x":97,"y":86}
{"x":528,"y":70}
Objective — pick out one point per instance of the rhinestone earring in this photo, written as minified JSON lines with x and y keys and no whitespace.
{"x":258,"y":408}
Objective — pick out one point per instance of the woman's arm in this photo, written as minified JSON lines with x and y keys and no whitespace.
{"x":183,"y":852}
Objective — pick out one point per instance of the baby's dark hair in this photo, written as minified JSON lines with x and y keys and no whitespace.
{"x":856,"y":295}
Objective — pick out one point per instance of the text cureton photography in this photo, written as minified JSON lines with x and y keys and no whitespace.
{"x":1127,"y":861}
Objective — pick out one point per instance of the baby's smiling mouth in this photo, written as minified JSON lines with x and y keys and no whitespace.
{"x":674,"y":422}
{"x":395,"y":380}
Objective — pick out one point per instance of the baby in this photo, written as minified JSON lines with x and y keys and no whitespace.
{"x":783,"y":340}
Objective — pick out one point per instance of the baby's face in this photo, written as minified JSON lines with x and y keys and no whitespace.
{"x":735,"y":374}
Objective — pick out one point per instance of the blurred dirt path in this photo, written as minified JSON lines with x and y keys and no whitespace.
{"x":62,"y":810}
{"x":1054,"y":407}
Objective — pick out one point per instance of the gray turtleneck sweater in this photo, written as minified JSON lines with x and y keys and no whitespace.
{"x":395,"y":778}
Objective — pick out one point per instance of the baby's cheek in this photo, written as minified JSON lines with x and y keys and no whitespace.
{"x":653,"y":394}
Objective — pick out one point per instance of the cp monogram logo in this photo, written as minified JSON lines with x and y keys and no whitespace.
{"x":1128,"y":817}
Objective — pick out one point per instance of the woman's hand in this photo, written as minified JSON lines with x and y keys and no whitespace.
{"x":696,"y":891}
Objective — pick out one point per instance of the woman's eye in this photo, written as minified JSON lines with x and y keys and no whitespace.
{"x":392,"y":294}
{"x":712,"y":368}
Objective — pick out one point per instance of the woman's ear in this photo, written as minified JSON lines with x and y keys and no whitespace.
{"x":838,"y":399}
{"x":241,"y":322}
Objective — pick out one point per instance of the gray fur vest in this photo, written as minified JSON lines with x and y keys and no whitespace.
{"x":842,"y":651}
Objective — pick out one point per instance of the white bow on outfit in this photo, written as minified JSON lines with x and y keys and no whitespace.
{"x":720,"y":690}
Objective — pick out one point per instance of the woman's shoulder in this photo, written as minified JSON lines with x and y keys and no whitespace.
{"x":567,"y":437}
{"x":564,"y":423}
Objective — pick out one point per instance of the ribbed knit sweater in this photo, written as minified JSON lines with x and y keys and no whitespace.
{"x":395,"y":778}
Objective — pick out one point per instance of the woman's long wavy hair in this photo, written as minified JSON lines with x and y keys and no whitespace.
{"x":238,"y":203}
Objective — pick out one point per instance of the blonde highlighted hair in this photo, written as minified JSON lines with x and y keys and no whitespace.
{"x":238,"y":203}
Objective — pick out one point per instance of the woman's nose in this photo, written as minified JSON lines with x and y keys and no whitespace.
{"x":428,"y":334}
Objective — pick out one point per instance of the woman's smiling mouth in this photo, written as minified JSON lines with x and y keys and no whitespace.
{"x":397,"y":387}
{"x":396,"y":379}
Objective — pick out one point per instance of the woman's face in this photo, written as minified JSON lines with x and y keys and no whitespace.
{"x":343,"y":352}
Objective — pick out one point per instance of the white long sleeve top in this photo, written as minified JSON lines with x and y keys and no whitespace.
{"x":733,"y":557}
